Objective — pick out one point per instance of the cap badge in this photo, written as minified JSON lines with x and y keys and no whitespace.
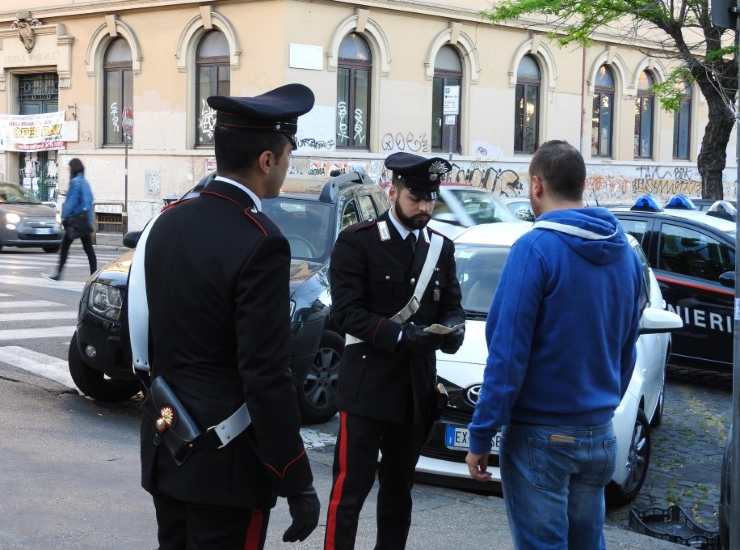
{"x":437,"y":167}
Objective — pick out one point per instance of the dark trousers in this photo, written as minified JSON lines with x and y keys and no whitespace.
{"x":355,"y":466}
{"x":186,"y":526}
{"x":89,"y":250}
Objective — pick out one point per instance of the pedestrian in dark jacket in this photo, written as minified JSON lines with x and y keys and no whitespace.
{"x":77,"y":217}
{"x":561,"y":334}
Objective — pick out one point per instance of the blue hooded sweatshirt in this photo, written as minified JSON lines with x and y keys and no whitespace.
{"x":562,"y":328}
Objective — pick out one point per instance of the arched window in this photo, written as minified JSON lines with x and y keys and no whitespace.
{"x":644,"y":115}
{"x":118,"y":90}
{"x":682,"y":125}
{"x":527,"y":108}
{"x":212,"y":78}
{"x":602,"y":120}
{"x":353,"y":92}
{"x":446,"y":104}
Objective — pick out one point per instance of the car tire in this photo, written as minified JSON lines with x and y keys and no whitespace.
{"x":318,"y":385}
{"x":52,"y":249}
{"x":638,"y":460}
{"x":93,"y":384}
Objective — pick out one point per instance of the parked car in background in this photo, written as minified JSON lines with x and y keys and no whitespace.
{"x":310,"y":212}
{"x":480,"y":254}
{"x":693,"y":256}
{"x":520,"y":207}
{"x":467,"y":206}
{"x":27,"y":223}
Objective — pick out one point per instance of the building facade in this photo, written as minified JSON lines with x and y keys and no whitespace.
{"x":132,"y":76}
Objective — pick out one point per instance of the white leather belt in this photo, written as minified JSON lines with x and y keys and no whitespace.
{"x":230,"y":428}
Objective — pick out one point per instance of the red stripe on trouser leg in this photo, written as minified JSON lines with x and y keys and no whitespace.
{"x":336,"y":494}
{"x":254,"y":531}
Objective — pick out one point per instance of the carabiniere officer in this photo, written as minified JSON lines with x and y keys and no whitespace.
{"x":386,"y":392}
{"x":216,"y":272}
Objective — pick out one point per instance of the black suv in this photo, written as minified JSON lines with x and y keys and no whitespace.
{"x":310,"y":213}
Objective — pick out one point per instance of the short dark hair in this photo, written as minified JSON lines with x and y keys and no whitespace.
{"x":237,"y":149}
{"x":76,"y":166}
{"x":562,"y":168}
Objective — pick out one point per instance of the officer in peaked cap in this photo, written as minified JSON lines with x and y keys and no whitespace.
{"x":216,"y":273}
{"x":391,"y":279}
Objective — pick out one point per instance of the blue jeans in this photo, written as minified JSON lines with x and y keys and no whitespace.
{"x":553,"y":480}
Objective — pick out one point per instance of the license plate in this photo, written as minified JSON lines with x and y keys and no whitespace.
{"x":43,"y":231}
{"x":458,"y":438}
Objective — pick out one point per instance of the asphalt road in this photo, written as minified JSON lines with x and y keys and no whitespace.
{"x":70,"y":467}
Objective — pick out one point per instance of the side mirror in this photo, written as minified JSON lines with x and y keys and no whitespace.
{"x":656,"y":321}
{"x":131,"y":239}
{"x":727,"y":279}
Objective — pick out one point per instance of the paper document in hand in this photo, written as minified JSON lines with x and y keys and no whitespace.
{"x":442,"y":329}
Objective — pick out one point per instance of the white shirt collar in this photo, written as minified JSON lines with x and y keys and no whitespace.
{"x":402,"y":229}
{"x":255,"y":199}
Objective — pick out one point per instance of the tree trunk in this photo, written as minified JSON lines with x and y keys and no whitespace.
{"x":713,"y":155}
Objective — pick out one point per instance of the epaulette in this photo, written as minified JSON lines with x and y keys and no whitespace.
{"x":361,"y":225}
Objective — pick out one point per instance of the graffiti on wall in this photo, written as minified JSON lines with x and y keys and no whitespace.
{"x":405,"y":142}
{"x":604,"y":184}
{"x":316,"y":144}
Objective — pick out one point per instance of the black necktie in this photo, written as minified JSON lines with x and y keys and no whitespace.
{"x":411,"y":241}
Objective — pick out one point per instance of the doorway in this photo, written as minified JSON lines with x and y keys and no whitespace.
{"x":37,"y":94}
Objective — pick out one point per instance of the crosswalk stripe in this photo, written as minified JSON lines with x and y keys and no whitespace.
{"x":14,"y":267}
{"x":5,"y":295}
{"x":16,"y":280}
{"x":38,"y":316}
{"x":35,"y":333}
{"x":37,"y":363}
{"x":21,"y":304}
{"x":50,"y":261}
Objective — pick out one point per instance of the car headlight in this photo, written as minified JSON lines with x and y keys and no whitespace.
{"x":105,"y":300}
{"x":292,"y":308}
{"x":10,"y":217}
{"x":59,"y":218}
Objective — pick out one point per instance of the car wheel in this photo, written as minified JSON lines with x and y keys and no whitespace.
{"x":51,"y":249}
{"x":638,"y":460}
{"x":92,"y":383}
{"x":317,"y":391}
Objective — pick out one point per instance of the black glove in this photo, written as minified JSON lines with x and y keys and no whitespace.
{"x":453,"y":341}
{"x":304,"y":509}
{"x":414,"y":338}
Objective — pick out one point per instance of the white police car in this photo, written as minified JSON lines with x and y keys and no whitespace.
{"x":480,"y":254}
{"x":693,"y":256}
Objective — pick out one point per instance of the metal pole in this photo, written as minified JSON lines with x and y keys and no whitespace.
{"x":125,"y":183}
{"x":734,"y":524}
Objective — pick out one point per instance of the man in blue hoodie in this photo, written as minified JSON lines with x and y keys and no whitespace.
{"x":561,"y":337}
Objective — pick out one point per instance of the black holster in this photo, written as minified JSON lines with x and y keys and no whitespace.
{"x":182,"y":431}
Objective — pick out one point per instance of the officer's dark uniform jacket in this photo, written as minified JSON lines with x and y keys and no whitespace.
{"x":219,"y":334}
{"x":371,"y":280}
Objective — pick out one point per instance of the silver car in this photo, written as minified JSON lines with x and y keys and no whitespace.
{"x":25,"y":222}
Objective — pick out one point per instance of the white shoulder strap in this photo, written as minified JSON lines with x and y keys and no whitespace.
{"x":430,"y":262}
{"x":138,"y":307}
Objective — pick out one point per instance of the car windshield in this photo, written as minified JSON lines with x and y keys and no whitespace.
{"x":308,"y":225}
{"x":13,"y":194}
{"x":479,"y":271}
{"x":482,"y":206}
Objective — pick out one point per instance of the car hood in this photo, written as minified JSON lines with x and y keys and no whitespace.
{"x":28,"y":210}
{"x":301,"y":271}
{"x":116,"y":272}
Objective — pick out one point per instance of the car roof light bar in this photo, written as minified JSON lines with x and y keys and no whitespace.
{"x":646,"y":203}
{"x":680,"y":201}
